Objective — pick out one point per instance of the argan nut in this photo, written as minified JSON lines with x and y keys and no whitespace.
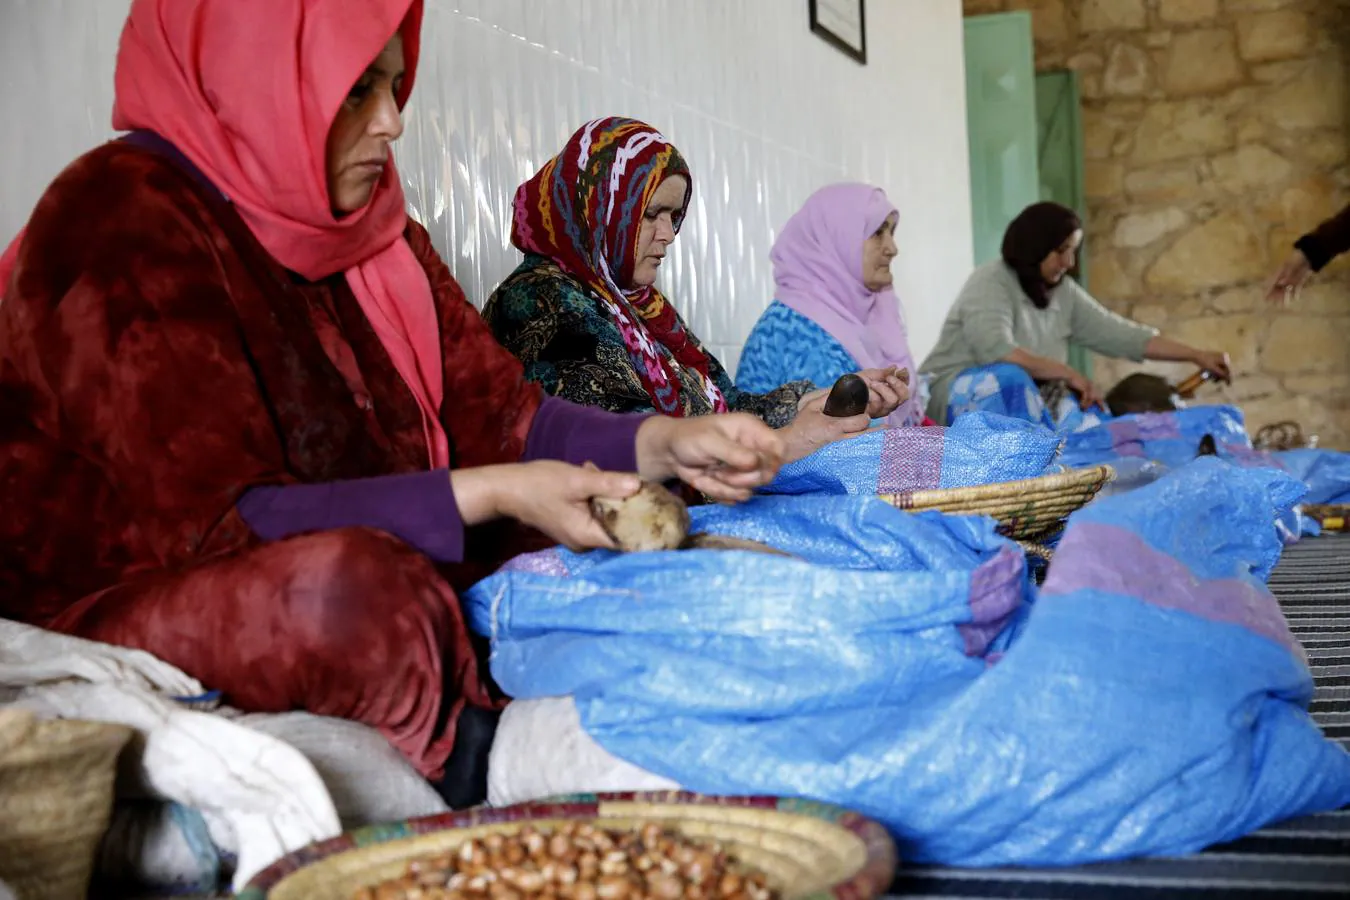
{"x":651,"y":519}
{"x":848,"y":397}
{"x":665,"y":887}
{"x":560,"y":846}
{"x":612,"y":887}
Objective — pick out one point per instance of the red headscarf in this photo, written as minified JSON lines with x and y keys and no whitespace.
{"x":248,"y":91}
{"x":584,"y":210}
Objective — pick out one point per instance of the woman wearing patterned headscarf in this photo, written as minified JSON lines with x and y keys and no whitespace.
{"x":1007,"y":335}
{"x":250,"y":423}
{"x":582,"y":312}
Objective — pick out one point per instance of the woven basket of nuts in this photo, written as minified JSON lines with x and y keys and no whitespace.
{"x":655,"y":846}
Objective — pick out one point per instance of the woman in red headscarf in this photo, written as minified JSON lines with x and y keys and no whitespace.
{"x":248,"y":421}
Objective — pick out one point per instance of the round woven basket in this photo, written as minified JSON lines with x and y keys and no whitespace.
{"x":1025,"y":510}
{"x":806,"y":849}
{"x":56,"y":796}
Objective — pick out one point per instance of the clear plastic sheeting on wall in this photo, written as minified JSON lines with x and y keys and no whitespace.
{"x":764,"y":110}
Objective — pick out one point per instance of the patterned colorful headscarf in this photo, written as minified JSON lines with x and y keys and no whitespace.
{"x":584,"y":210}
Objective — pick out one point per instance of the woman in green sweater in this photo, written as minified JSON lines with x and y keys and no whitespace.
{"x":1005,"y":345}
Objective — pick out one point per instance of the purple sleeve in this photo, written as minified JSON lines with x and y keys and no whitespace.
{"x":418,"y":507}
{"x":577,"y":434}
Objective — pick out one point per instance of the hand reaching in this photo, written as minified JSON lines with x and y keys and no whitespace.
{"x":812,"y":429}
{"x":1216,"y":363}
{"x":1289,"y":280}
{"x":888,"y":388}
{"x":724,"y":456}
{"x":555,"y":498}
{"x":1088,"y":395}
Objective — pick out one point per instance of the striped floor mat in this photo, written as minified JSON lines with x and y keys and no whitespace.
{"x":1307,"y":857}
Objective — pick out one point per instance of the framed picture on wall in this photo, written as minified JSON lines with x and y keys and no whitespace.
{"x":843,"y":24}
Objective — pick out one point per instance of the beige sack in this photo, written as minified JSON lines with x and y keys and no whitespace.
{"x":56,"y":795}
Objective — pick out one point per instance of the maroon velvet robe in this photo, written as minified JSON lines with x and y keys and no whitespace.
{"x":155,"y":364}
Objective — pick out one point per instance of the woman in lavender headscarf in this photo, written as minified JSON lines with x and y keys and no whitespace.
{"x":835,"y":311}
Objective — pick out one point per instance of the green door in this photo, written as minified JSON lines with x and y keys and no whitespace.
{"x":1001,"y":122}
{"x":1060,"y":142}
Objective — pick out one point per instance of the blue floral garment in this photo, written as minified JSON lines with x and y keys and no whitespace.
{"x":1007,"y":389}
{"x":786,"y":346}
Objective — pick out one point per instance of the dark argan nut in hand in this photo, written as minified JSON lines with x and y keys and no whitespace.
{"x":848,"y":397}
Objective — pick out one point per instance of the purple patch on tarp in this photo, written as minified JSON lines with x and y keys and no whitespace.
{"x":541,"y":562}
{"x":1128,"y":435}
{"x":995,"y":594}
{"x":1158,"y":426}
{"x":1248,"y":457}
{"x":911,"y":459}
{"x":1096,"y":556}
{"x":1127,"y":447}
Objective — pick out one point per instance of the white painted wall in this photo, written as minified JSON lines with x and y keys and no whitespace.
{"x":764,"y":110}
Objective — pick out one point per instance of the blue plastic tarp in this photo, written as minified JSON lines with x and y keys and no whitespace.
{"x":1150,"y":701}
{"x":980,"y":448}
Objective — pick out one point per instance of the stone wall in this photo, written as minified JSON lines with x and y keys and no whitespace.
{"x":1215,"y":133}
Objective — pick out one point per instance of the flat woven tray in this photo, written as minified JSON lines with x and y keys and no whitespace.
{"x":1025,"y":510}
{"x":806,"y":849}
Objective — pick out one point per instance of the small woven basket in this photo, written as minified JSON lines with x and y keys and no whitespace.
{"x":1333,"y":517}
{"x":56,"y":796}
{"x":805,"y":849}
{"x":1282,"y":436}
{"x":1025,"y":510}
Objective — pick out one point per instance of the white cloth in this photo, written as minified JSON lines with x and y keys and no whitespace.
{"x":31,"y":655}
{"x":541,"y":750}
{"x":260,"y":797}
{"x":370,"y":782}
{"x":170,"y":848}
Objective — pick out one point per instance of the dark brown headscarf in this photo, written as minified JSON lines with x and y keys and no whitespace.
{"x":1037,"y":232}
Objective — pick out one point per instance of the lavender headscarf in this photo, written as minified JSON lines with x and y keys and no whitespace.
{"x":817,"y":267}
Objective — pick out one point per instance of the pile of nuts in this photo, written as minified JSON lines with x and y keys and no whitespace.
{"x":577,"y":862}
